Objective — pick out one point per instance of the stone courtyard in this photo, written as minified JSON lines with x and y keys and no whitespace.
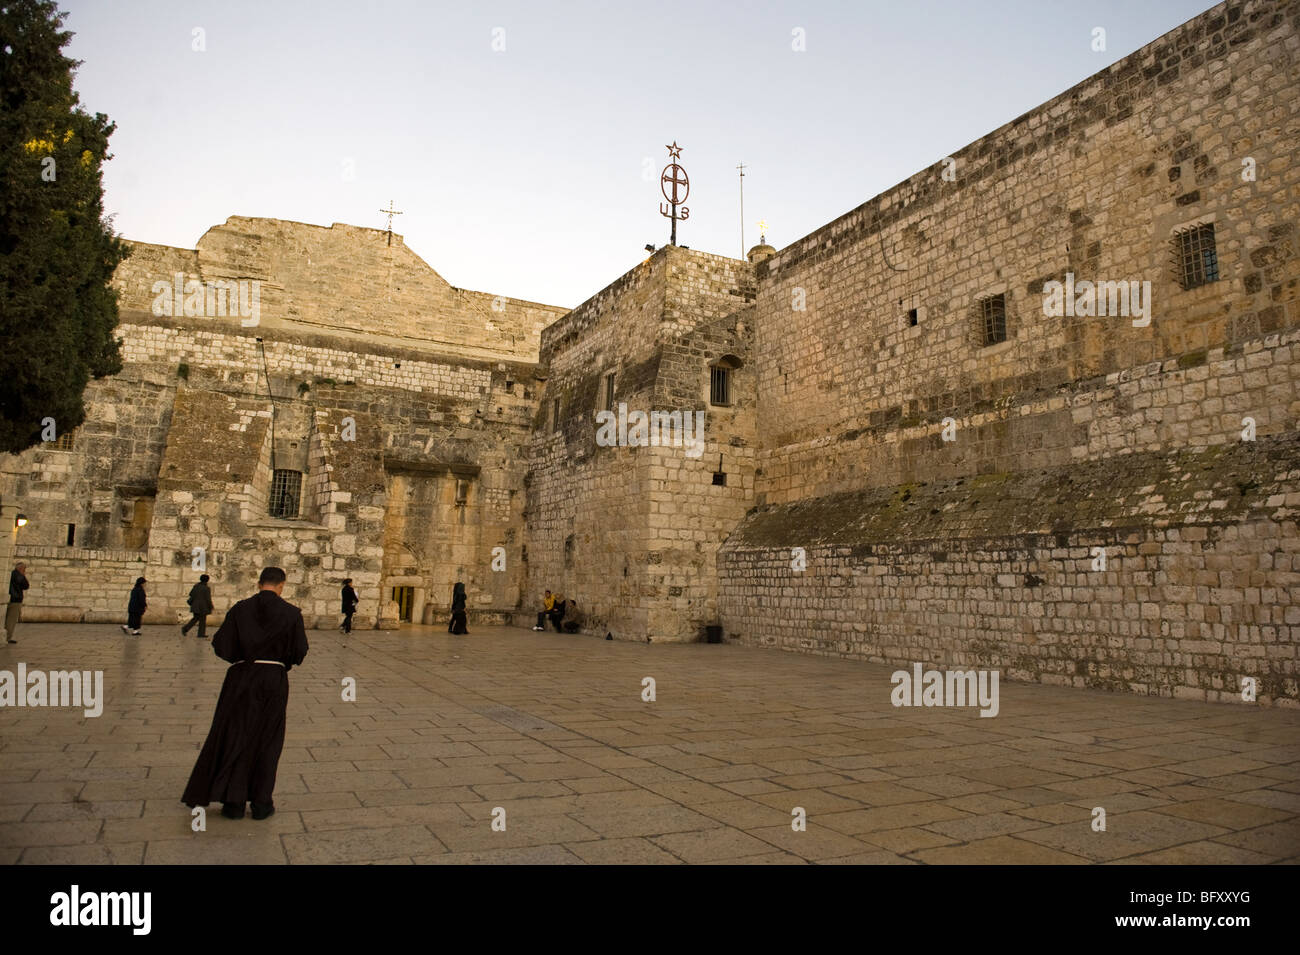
{"x":553,"y":729}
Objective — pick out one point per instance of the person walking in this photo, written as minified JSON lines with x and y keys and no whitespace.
{"x":14,"y":612}
{"x":262,"y":638}
{"x":135,"y":608}
{"x":350,"y":602}
{"x":200,"y":601}
{"x":458,"y":617}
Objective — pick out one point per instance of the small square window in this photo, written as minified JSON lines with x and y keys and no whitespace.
{"x":719,"y":479}
{"x":719,"y":385}
{"x":993,"y":319}
{"x":1196,"y":259}
{"x":64,"y":441}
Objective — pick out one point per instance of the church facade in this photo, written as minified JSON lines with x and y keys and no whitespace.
{"x":1033,"y":409}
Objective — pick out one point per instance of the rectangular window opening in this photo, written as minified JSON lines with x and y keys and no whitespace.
{"x":719,"y":385}
{"x":912,"y":316}
{"x":719,"y":479}
{"x":609,"y":392}
{"x":462,"y":492}
{"x":993,"y":319}
{"x":72,"y":534}
{"x":1196,"y":258}
{"x":286,"y":492}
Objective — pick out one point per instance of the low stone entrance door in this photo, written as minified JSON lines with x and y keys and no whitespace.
{"x":405,"y":599}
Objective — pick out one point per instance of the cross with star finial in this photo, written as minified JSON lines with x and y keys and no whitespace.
{"x":674,"y":151}
{"x":762,"y":231}
{"x":390,"y":212}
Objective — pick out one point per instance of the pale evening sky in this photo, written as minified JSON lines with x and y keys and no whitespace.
{"x":532,"y":170}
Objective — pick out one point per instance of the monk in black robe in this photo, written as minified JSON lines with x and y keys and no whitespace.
{"x":262,"y":637}
{"x":458,"y":618}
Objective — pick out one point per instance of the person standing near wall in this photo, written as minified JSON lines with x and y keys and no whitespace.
{"x":13,"y":613}
{"x":459,"y":619}
{"x":350,"y":601}
{"x":135,"y":608}
{"x":200,"y":601}
{"x":262,"y":638}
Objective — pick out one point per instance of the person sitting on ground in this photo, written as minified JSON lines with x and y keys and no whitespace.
{"x":557,"y":612}
{"x":573,"y":617}
{"x":548,"y":602}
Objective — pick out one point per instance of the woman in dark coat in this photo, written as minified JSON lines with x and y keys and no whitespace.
{"x":458,"y":618}
{"x":135,"y":608}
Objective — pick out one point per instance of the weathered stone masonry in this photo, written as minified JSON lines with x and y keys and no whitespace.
{"x":1081,"y":500}
{"x":177,"y":452}
{"x":853,"y":397}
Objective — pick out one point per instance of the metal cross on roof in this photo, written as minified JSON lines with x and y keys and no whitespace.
{"x":390,"y":212}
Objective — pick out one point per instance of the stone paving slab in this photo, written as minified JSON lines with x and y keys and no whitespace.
{"x":551,"y":728}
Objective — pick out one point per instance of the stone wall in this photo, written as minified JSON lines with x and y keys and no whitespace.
{"x":176,"y":453}
{"x":1162,"y":573}
{"x":947,"y":492}
{"x":344,"y":280}
{"x":76,"y":584}
{"x":1091,"y":183}
{"x":630,"y":532}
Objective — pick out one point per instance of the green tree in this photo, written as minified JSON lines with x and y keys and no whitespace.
{"x":57,"y":250}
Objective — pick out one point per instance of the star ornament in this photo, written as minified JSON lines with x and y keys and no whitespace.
{"x":674,"y":151}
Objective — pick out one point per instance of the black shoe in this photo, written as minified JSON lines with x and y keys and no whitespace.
{"x":261,"y":812}
{"x":232,"y":810}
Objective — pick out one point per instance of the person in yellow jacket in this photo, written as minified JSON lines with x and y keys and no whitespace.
{"x":548,"y":604}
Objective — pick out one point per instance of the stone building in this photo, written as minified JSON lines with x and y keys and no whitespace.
{"x":356,"y":417}
{"x":1033,"y":409}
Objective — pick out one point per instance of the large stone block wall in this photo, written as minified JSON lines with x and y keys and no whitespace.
{"x":103,"y":485}
{"x":1093,"y":182}
{"x":586,"y":510}
{"x":630,"y":532}
{"x":1198,"y":589}
{"x":419,"y":411}
{"x":345,"y":280}
{"x":76,"y":584}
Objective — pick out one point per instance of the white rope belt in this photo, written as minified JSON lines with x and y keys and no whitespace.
{"x":276,"y":662}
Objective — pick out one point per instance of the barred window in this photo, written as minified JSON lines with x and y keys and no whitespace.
{"x":719,"y":385}
{"x":993,"y":319}
{"x":609,"y":392}
{"x":1196,"y":260}
{"x":64,"y":442}
{"x":286,"y":491}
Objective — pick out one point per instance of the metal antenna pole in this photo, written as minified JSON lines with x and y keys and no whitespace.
{"x":741,"y":167}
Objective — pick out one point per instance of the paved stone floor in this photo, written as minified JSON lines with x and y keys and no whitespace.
{"x":552,"y":729}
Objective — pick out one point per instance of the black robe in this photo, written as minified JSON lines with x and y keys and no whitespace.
{"x":239,"y":758}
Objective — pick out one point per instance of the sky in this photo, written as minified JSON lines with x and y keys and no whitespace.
{"x":523,"y":142}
